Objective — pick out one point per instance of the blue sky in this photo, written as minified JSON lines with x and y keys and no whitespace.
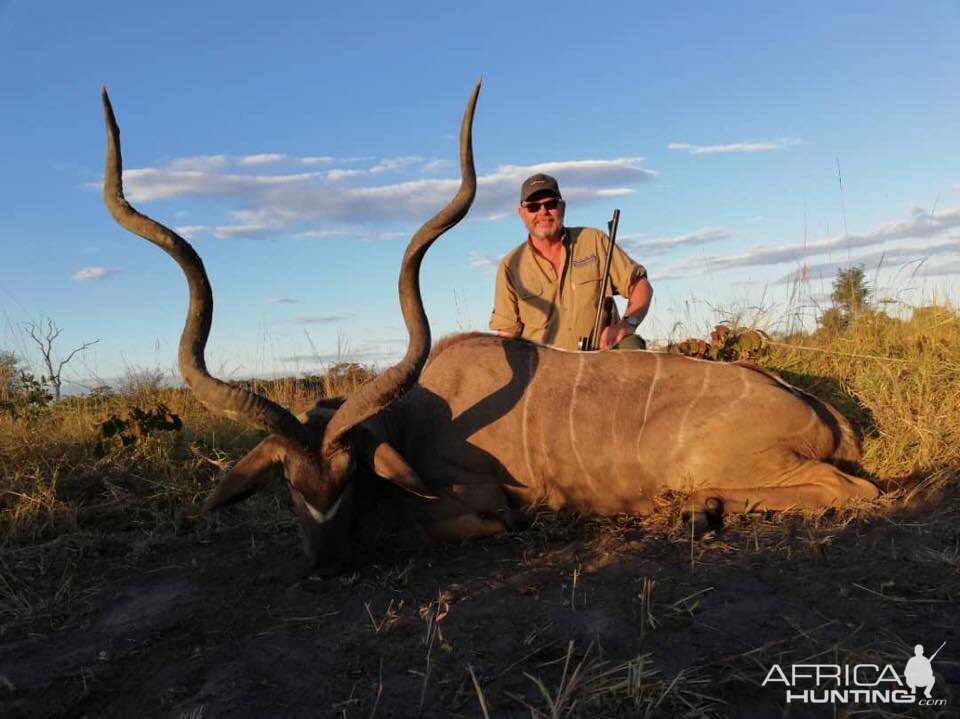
{"x":298,"y":145}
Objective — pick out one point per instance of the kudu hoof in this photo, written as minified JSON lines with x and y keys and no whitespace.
{"x":707,"y":519}
{"x":713,"y":507}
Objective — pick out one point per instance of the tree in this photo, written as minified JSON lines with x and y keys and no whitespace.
{"x":45,"y":343}
{"x":21,"y":394}
{"x":850,"y":293}
{"x":850,"y":299}
{"x":832,"y":322}
{"x":9,"y":376}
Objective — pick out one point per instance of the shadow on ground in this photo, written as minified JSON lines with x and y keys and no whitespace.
{"x":572,"y":617}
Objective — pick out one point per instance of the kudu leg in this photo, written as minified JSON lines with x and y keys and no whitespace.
{"x":467,"y":511}
{"x":815,"y":484}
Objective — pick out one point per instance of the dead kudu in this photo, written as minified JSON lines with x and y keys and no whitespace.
{"x":487,"y":424}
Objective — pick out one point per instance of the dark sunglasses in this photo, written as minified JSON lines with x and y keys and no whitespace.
{"x":534,"y":207}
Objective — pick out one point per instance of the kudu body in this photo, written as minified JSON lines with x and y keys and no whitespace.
{"x":490,"y":423}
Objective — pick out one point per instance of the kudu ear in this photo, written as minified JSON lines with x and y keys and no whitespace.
{"x":247,"y":475}
{"x":387,"y":463}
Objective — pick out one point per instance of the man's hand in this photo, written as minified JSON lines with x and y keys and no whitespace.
{"x":638,"y":303}
{"x":614,"y":333}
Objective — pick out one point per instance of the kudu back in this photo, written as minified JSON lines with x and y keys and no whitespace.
{"x":486,"y":424}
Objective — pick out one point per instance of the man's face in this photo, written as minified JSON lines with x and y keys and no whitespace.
{"x":540,"y":221}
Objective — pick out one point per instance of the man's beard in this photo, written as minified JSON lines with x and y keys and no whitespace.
{"x":546,"y":230}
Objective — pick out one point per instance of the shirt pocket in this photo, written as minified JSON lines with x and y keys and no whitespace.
{"x":534,"y":306}
{"x":586,"y":273}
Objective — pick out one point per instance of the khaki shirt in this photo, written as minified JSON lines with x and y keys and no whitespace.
{"x":530,"y":301}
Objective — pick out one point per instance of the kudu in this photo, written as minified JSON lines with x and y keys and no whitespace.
{"x":487,"y":423}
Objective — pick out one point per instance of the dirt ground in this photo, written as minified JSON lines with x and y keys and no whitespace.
{"x":570,"y":617}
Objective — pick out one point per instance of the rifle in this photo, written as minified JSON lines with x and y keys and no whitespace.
{"x":604,"y":303}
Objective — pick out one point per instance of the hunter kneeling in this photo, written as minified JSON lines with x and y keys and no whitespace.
{"x":548,"y":288}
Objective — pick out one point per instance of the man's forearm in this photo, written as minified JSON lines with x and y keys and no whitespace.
{"x":638,"y":303}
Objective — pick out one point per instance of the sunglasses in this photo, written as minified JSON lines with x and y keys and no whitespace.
{"x":534,"y":207}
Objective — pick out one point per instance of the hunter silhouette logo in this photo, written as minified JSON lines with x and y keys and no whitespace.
{"x":859,"y":683}
{"x":918,"y":672}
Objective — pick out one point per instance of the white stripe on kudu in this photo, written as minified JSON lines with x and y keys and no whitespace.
{"x":572,"y":424}
{"x":646,"y":408}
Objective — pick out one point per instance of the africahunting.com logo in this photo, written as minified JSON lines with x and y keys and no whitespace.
{"x":859,"y":683}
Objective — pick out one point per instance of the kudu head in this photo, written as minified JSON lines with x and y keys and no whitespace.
{"x":319,"y":455}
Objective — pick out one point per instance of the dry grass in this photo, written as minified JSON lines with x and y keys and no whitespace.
{"x":590,"y":687}
{"x":62,"y":500}
{"x":899,"y":381}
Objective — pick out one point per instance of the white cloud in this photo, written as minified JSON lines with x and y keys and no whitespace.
{"x":754,"y":146}
{"x":484,"y":262}
{"x":318,"y":160}
{"x":93,"y":273}
{"x":945,"y":268}
{"x":647,"y":246}
{"x":415,"y":200}
{"x":189,"y":231}
{"x":279,"y":202}
{"x":612,"y":192}
{"x":581,"y":181}
{"x":433,"y":166}
{"x":342,"y":174}
{"x":281,"y":301}
{"x":226,"y":232}
{"x":390,"y":164}
{"x":331,"y":160}
{"x":144,"y":185}
{"x":200,"y":163}
{"x":262,"y":158}
{"x":890,"y":256}
{"x":920,"y":225}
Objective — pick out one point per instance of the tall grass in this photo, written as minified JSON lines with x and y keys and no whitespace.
{"x":897,"y":380}
{"x":52,"y":457}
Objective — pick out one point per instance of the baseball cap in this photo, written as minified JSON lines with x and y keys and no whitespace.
{"x":539,"y":183}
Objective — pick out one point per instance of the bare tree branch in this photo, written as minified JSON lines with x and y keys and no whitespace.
{"x":45,"y":343}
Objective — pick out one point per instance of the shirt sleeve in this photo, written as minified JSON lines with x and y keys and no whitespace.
{"x":506,"y":312}
{"x":624,"y":272}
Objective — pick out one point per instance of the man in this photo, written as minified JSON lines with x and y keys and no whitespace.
{"x":547,"y":288}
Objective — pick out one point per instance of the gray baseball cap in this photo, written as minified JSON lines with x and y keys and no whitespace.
{"x":539,"y":183}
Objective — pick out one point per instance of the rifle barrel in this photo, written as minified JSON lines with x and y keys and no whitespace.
{"x":594,"y":341}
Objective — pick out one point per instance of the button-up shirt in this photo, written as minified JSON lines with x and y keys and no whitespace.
{"x":532,"y":302}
